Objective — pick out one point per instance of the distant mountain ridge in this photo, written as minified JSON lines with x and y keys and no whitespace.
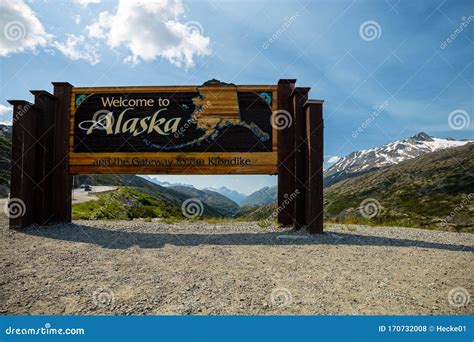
{"x":224,"y":206}
{"x":363,"y":161}
{"x":165,"y":184}
{"x":266,"y":195}
{"x":234,"y":195}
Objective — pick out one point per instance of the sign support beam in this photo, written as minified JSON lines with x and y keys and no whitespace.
{"x":21,"y":201}
{"x":314,"y":192}
{"x":44,"y":162}
{"x":299,"y":97}
{"x":62,"y":186}
{"x":286,"y":162}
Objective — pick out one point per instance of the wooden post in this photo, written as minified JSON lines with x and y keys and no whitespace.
{"x":314,"y":193}
{"x":62,"y":186}
{"x":299,"y":98}
{"x":21,"y":202}
{"x":43,"y":191}
{"x":286,"y":162}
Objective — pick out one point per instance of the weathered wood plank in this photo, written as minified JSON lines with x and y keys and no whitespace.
{"x":173,"y":163}
{"x":21,"y":202}
{"x":286,"y":163}
{"x":44,"y":175}
{"x":299,"y":98}
{"x":314,"y":193}
{"x":190,"y":88}
{"x":62,"y":180}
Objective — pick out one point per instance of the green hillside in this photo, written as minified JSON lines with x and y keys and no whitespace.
{"x":125,"y":203}
{"x":266,"y":215}
{"x":168,"y":200}
{"x":266,"y":195}
{"x":222,"y":205}
{"x":160,"y":192}
{"x":433,"y":191}
{"x":5,"y":158}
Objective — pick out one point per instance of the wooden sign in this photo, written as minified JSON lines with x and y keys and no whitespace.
{"x":216,"y":128}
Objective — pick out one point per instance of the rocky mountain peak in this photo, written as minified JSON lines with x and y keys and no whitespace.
{"x":363,"y":161}
{"x":422,"y":136}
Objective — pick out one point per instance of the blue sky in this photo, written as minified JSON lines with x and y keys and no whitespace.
{"x":356,"y":55}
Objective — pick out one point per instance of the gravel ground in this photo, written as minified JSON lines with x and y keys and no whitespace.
{"x":186,"y":268}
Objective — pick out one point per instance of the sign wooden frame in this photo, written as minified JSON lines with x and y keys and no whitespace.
{"x":44,"y":157}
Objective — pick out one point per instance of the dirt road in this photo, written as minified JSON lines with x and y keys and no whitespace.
{"x":80,"y":196}
{"x":233,"y":268}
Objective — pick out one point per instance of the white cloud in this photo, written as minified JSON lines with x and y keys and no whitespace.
{"x":20,"y":28}
{"x":149,"y":30}
{"x":5,"y":109}
{"x":85,"y":3}
{"x":6,"y":114}
{"x":332,"y":159}
{"x":99,"y":28}
{"x":146,"y":29}
{"x":76,"y":47}
{"x":22,"y":31}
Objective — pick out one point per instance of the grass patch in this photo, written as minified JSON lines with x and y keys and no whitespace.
{"x":124,"y":204}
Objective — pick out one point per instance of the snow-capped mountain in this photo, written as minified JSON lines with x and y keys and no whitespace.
{"x":235,"y":196}
{"x":165,"y":184}
{"x":360,"y":162}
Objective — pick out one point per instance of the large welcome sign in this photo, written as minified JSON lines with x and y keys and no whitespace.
{"x":215,"y":128}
